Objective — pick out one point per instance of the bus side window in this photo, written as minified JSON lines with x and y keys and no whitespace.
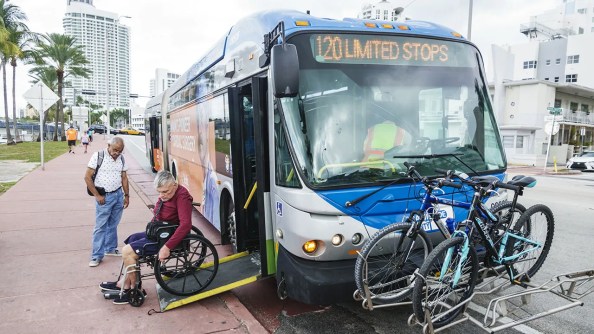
{"x":285,"y":173}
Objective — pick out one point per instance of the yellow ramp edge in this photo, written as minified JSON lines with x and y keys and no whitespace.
{"x":210,"y":293}
{"x":234,"y":271}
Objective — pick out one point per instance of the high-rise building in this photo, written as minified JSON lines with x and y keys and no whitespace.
{"x":382,"y":10}
{"x":163,"y":79}
{"x":106,"y":44}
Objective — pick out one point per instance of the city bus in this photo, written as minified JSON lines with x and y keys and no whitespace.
{"x":292,"y":131}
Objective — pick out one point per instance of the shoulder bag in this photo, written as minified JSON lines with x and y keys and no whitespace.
{"x":157,"y":230}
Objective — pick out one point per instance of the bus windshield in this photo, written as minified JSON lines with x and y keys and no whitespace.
{"x":368,"y":103}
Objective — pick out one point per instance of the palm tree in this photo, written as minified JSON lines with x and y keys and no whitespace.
{"x":60,"y":53}
{"x":21,"y":38}
{"x":48,"y":77}
{"x":11,"y":19}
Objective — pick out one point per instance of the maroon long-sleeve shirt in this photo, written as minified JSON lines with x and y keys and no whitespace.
{"x":177,"y":210}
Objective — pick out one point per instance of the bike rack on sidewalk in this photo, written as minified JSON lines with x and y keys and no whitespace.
{"x":570,"y":287}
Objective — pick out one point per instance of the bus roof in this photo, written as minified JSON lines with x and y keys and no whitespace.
{"x":254,"y":27}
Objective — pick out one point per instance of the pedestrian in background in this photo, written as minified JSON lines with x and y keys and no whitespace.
{"x":110,"y":190}
{"x":90,"y":132}
{"x":71,"y":136}
{"x":85,"y":140}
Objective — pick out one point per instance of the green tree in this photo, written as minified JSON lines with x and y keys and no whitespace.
{"x":60,"y":53}
{"x":22,"y":38}
{"x":118,"y":114}
{"x":11,"y":20}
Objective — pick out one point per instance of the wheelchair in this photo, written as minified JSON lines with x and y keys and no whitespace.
{"x":189,"y":269}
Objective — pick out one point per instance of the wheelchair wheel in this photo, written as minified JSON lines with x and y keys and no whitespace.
{"x":135,"y":297}
{"x":190,"y":268}
{"x":196,"y":231}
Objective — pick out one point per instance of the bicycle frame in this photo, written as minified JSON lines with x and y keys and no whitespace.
{"x":477,"y":214}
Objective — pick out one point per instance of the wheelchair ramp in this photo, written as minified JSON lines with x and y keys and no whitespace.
{"x":234,"y":271}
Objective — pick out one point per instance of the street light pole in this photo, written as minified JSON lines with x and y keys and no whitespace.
{"x":469,"y":19}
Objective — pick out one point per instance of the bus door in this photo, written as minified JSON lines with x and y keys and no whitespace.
{"x":154,"y":139}
{"x":249,"y":147}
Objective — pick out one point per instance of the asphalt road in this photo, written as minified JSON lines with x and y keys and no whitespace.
{"x":571,"y":199}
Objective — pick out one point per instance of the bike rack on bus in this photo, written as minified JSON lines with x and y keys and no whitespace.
{"x":570,"y":287}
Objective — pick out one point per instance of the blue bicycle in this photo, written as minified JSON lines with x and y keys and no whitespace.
{"x":446,"y":280}
{"x":386,"y":264}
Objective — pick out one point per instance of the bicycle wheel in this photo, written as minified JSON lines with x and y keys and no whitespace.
{"x":536,"y":224}
{"x":507,"y":217}
{"x":391,"y":258}
{"x":190,"y":268}
{"x":437,"y":291}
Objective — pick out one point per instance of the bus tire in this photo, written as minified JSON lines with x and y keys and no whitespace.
{"x":229,"y":228}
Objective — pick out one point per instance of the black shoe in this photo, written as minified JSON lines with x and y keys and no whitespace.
{"x":109,"y":286}
{"x":121,"y":300}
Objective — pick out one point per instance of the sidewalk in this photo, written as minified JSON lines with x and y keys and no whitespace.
{"x":46,"y":222}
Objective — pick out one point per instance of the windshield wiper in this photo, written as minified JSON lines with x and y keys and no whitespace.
{"x":440,"y":155}
{"x":356,"y":201}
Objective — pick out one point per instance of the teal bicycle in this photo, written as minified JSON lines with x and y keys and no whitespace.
{"x":446,"y":280}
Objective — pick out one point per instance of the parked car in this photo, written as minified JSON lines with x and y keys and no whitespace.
{"x":584,"y":161}
{"x":97,"y":128}
{"x":131,"y":131}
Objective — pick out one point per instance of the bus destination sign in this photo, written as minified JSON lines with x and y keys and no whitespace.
{"x":388,"y":50}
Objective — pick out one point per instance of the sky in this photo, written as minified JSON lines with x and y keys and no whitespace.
{"x":174,"y":34}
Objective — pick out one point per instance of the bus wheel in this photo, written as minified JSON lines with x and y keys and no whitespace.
{"x":231,"y":225}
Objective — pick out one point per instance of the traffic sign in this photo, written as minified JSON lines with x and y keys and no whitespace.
{"x":40,"y":96}
{"x":556,"y":118}
{"x":555,"y":111}
{"x":549,"y":128}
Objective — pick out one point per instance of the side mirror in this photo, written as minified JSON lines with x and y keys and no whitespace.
{"x":284,"y":70}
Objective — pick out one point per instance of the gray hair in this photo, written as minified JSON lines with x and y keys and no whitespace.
{"x":116,"y":140}
{"x":163,"y":178}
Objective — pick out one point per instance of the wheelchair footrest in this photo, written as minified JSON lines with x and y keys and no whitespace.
{"x":111,"y":294}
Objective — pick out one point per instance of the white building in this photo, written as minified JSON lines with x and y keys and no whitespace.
{"x":553,"y":69}
{"x":106,"y":44}
{"x":383,"y":10}
{"x":137,"y":116}
{"x":163,"y":79}
{"x":572,"y":17}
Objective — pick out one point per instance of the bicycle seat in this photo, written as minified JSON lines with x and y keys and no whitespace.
{"x":525,"y":181}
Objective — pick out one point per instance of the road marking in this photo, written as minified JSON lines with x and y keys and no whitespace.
{"x":141,"y":148}
{"x":504,"y":320}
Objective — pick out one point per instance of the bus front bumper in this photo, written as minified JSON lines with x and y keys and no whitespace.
{"x":315,"y":282}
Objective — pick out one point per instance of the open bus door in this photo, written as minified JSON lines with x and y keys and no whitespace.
{"x":249,"y":151}
{"x":154,"y":143}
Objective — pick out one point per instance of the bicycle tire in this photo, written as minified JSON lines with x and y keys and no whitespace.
{"x":386,"y":283}
{"x":537,"y":224}
{"x":427,"y":292}
{"x":499,"y":210}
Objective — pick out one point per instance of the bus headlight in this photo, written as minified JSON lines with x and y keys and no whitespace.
{"x":337,"y":239}
{"x":356,"y":239}
{"x":279,"y":233}
{"x":310,"y":246}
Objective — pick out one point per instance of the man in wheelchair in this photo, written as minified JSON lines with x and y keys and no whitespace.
{"x":174,"y":206}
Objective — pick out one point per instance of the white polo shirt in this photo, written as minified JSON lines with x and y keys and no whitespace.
{"x":109,"y":175}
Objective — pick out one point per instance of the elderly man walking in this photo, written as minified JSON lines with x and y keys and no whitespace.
{"x":109,"y":186}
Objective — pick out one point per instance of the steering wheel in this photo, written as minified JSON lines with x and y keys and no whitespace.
{"x":422,"y":144}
